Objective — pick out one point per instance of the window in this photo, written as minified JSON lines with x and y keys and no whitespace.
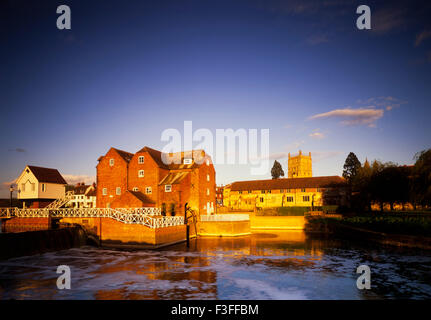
{"x":289,"y":199}
{"x":22,"y":187}
{"x":188,"y":161}
{"x":168,"y":187}
{"x":111,"y":162}
{"x":33,"y":187}
{"x":208,"y":192}
{"x":288,"y":190}
{"x":148,"y":190}
{"x":208,"y":177}
{"x":249,"y":191}
{"x":282,"y":190}
{"x":303,"y":190}
{"x":306,"y":198}
{"x":104,"y":191}
{"x":319,"y":190}
{"x":141,"y":173}
{"x":269,"y":191}
{"x":118,"y":191}
{"x":240,"y":192}
{"x":208,"y":162}
{"x":261,"y":199}
{"x":262,"y":191}
{"x":43,"y":187}
{"x":135,"y":189}
{"x":141,"y":159}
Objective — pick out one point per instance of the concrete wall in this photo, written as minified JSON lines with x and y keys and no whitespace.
{"x":112,"y":231}
{"x":224,"y":228}
{"x":276,"y":222}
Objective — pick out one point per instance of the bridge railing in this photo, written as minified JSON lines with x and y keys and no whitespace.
{"x":7,"y":212}
{"x":225,"y":217}
{"x":149,"y":216}
{"x":152,"y":211}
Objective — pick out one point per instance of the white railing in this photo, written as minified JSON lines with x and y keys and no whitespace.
{"x":146,"y":210}
{"x":226,"y":217}
{"x":150,"y":217}
{"x":60,"y":202}
{"x":6,"y":212}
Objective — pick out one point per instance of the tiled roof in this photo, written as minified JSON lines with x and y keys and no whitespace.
{"x":92,"y":193}
{"x":174,"y":177}
{"x":47,"y":175}
{"x":142,"y":197}
{"x":197,"y":155}
{"x":127,"y":156}
{"x":156,"y":155}
{"x":80,"y":189}
{"x":291,"y":183}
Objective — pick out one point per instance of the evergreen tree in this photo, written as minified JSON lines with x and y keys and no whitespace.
{"x":277,"y":170}
{"x":351,"y":167}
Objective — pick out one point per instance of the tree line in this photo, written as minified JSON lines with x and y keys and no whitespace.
{"x":388,"y":182}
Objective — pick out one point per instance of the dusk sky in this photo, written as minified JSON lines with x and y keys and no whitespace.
{"x":127,"y":70}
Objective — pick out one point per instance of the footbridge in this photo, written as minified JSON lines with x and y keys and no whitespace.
{"x":122,"y":226}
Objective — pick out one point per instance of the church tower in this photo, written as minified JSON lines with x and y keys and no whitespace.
{"x":299,"y":166}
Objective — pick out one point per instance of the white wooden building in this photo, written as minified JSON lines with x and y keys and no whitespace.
{"x":38,"y":186}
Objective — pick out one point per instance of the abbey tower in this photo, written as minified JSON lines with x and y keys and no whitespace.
{"x":299,"y":166}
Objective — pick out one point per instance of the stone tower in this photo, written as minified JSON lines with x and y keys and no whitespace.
{"x":299,"y":166}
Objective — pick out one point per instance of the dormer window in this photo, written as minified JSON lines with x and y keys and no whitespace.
{"x":136,"y":189}
{"x":141,"y":159}
{"x":168,"y":187}
{"x":111,"y":162}
{"x":188,"y":161}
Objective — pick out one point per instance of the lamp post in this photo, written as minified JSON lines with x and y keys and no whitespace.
{"x":11,"y":191}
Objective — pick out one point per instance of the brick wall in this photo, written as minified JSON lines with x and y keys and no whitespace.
{"x":110,"y":177}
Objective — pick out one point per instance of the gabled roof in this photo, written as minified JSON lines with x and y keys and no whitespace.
{"x":290,"y":183}
{"x":158,"y":156}
{"x":47,"y":175}
{"x":142,"y":197}
{"x":79,"y":190}
{"x":127,"y":156}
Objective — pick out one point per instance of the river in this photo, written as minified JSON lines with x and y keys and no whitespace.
{"x":273,"y":265}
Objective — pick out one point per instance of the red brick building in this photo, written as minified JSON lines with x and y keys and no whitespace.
{"x":144,"y":179}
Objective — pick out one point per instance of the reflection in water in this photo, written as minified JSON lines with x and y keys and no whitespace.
{"x":277,"y":265}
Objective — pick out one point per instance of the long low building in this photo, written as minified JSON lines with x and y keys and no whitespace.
{"x":291,"y":192}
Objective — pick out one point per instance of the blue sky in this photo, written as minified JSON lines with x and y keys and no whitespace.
{"x":127,"y":71}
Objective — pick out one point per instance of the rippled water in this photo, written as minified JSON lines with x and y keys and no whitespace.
{"x":278,"y":265}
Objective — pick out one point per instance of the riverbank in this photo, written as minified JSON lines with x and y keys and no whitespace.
{"x":382,"y":230}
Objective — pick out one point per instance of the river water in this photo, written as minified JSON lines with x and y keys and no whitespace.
{"x":275,"y":265}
